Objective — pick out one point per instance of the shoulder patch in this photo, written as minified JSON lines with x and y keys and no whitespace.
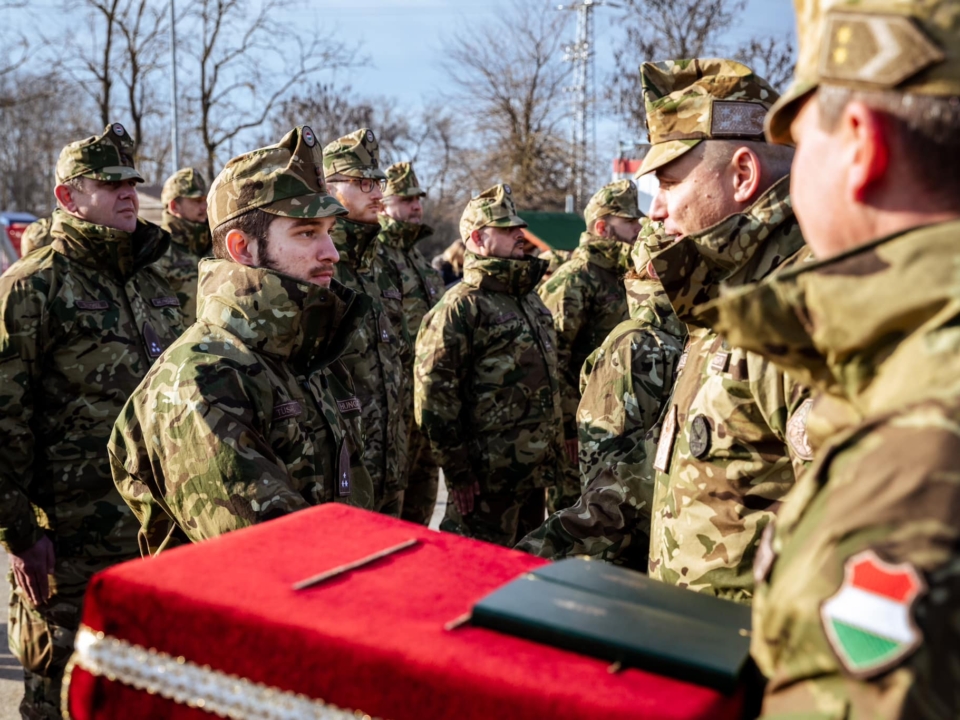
{"x":797,"y":431}
{"x":869,"y":621}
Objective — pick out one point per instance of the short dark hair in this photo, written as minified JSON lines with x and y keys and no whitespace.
{"x":254,"y":223}
{"x":927,"y":127}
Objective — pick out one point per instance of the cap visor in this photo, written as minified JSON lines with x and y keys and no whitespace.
{"x":781,"y":115}
{"x":664,"y":153}
{"x":115,"y":174}
{"x":313,"y":205}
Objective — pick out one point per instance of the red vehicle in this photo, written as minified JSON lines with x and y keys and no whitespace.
{"x":13,"y":224}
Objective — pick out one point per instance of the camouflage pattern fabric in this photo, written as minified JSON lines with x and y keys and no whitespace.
{"x":486,"y":393}
{"x":422,"y":287}
{"x":723,"y":460}
{"x":402,"y":181}
{"x":284,"y":179}
{"x":184,"y":183}
{"x":688,"y":101}
{"x":354,"y":155}
{"x":625,"y":384}
{"x":618,"y":199}
{"x":81,"y":322}
{"x":107,"y":157}
{"x":494,"y":207}
{"x":190,"y":241}
{"x":376,"y":357}
{"x":554,"y":258}
{"x":874,"y":45}
{"x":36,"y":235}
{"x":249,"y":415}
{"x":875,"y":328}
{"x":587,"y":300}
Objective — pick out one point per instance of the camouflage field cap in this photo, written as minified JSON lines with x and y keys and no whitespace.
{"x":688,"y":101}
{"x":354,"y":155}
{"x":402,"y":181}
{"x":617,"y":198}
{"x":493,"y":207}
{"x":284,"y":179}
{"x":107,"y":157}
{"x":184,"y":183}
{"x":902,"y":45}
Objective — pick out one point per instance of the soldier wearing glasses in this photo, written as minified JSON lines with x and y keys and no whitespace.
{"x":377,"y":353}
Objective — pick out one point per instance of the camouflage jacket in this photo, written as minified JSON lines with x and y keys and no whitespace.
{"x":555,"y":258}
{"x":422,"y":285}
{"x":377,"y":353}
{"x":625,"y":383}
{"x":190,"y":241}
{"x":587,"y":299}
{"x":81,"y":322}
{"x":35,"y":235}
{"x":723,"y":460}
{"x":250,"y":414}
{"x":486,"y":393}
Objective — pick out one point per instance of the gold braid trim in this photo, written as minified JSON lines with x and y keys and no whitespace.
{"x":187,"y":683}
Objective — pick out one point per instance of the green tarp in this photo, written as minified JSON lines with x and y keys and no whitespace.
{"x":560,"y":231}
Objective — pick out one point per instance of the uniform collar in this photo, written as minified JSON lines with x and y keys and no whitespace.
{"x":193,"y":236}
{"x":278,"y":315}
{"x":878,"y":325}
{"x":355,"y":241}
{"x":506,"y":275}
{"x":402,"y":235}
{"x":648,"y":303}
{"x":99,"y":246}
{"x":605,"y":252}
{"x":741,"y":249}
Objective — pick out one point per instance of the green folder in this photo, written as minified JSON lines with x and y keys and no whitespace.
{"x":619,"y":615}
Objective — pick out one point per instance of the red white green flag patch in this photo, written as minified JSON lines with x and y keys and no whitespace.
{"x":869,"y":621}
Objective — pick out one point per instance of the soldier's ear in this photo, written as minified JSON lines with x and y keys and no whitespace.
{"x":745,"y":172}
{"x":241,"y":247}
{"x":600,"y":227}
{"x":64,"y":195}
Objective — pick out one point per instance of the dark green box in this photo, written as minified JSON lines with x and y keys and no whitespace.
{"x":619,"y":615}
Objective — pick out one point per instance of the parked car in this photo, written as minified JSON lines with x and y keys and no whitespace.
{"x":13,"y":225}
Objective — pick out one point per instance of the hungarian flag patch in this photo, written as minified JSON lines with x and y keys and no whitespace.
{"x":869,"y":621}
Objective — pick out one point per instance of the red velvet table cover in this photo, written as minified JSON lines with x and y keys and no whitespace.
{"x":372,"y":641}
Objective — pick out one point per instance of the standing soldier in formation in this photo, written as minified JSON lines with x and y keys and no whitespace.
{"x":733,"y":437}
{"x":625,"y":383}
{"x":487,"y":394}
{"x":378,"y":353}
{"x":184,"y":199}
{"x":401,"y":228}
{"x":35,"y":235}
{"x":588,"y":300}
{"x":857,"y":612}
{"x":250,"y":415}
{"x":81,"y":322}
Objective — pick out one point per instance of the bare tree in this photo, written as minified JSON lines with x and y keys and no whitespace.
{"x":511,"y":80}
{"x":238,"y":42}
{"x":673,"y":29}
{"x":142,"y":26}
{"x":97,"y":58}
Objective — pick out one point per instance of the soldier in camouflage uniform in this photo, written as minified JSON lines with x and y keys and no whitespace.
{"x":401,"y":228}
{"x":624,"y":383}
{"x":250,"y":415}
{"x":588,"y":300}
{"x":184,"y":199}
{"x":81,"y":322}
{"x":486,"y":390}
{"x":856,"y":613}
{"x":555,"y":259}
{"x":381,"y":349}
{"x":35,"y":235}
{"x":723,"y":461}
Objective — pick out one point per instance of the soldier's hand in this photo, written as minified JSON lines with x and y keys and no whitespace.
{"x":462,"y":497}
{"x":31,"y":569}
{"x":573,"y":450}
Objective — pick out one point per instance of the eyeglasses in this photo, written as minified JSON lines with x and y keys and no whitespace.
{"x":366,"y":184}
